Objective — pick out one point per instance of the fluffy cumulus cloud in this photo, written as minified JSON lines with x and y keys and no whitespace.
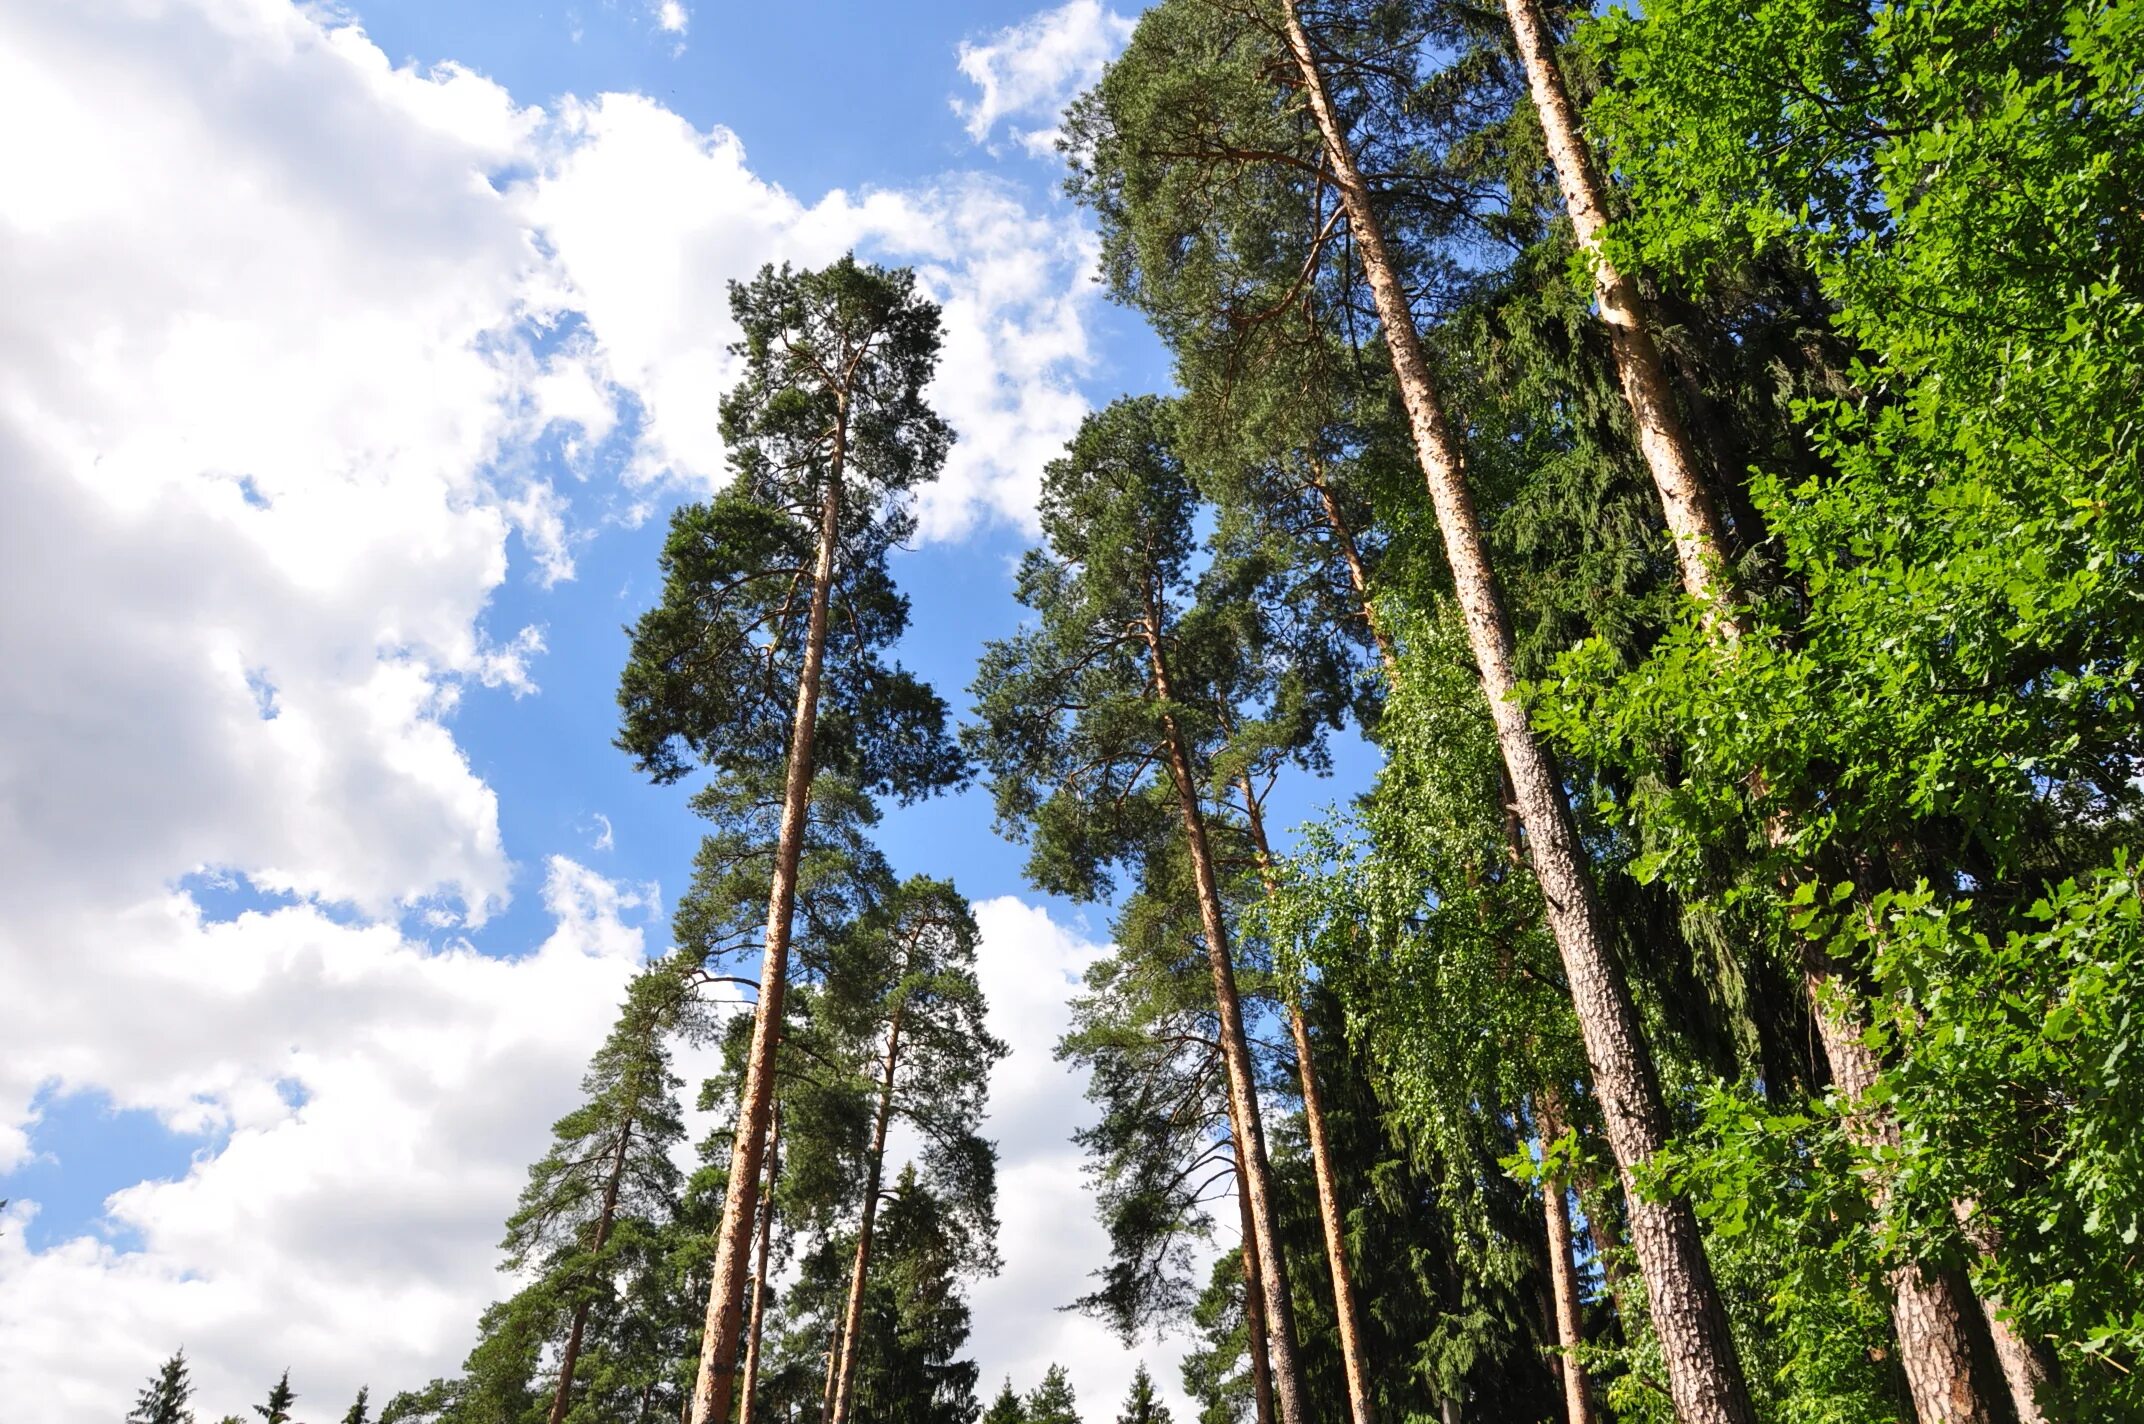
{"x":1026,"y":73}
{"x":651,"y":219}
{"x":306,"y":355}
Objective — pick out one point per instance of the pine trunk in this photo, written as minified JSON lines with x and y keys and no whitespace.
{"x":1254,"y":1303}
{"x":1235,"y":1055}
{"x":1704,"y":1375}
{"x":1361,"y":1408}
{"x":2024,"y":1369}
{"x":715,"y":1387}
{"x":572,"y":1354}
{"x":874,"y":1174}
{"x":748,"y":1388}
{"x":1563,"y":1273}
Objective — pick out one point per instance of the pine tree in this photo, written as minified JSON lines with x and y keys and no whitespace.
{"x":907,"y":986}
{"x":164,"y":1398}
{"x":829,"y":434}
{"x":360,"y":1411}
{"x":1099,"y":744}
{"x":1140,"y":1404}
{"x":280,"y":1399}
{"x":1052,"y":1402}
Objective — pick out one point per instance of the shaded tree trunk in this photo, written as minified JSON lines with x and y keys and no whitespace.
{"x":1562,"y":1272}
{"x":1235,"y":1054}
{"x":715,"y":1386}
{"x":572,"y":1353}
{"x":2024,"y":1369}
{"x":874,"y":1175}
{"x":1358,"y":578}
{"x":1704,"y":1375}
{"x":749,"y":1386}
{"x":1345,"y":1313}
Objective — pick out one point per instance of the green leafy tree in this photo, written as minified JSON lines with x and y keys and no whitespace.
{"x":766,"y":648}
{"x":164,"y":1398}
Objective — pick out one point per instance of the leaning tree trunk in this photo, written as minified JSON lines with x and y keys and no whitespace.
{"x":1931,"y":1319}
{"x":1704,"y":1375}
{"x":1235,"y":1056}
{"x":712,"y":1391}
{"x":1254,"y":1304}
{"x":1345,"y":1313}
{"x":1358,"y":578}
{"x":874,"y":1174}
{"x":1562,"y":1273}
{"x":748,"y":1387}
{"x":572,"y":1353}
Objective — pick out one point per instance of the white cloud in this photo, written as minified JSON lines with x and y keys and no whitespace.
{"x":1028,"y":966}
{"x":381,"y":1102}
{"x":1026,"y":73}
{"x":651,"y":219}
{"x":670,"y":16}
{"x":297,"y":343}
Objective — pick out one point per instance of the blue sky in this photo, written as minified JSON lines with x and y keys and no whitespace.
{"x":362,"y":353}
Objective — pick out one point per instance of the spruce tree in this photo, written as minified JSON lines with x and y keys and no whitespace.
{"x":1140,"y":1404}
{"x":280,"y":1399}
{"x":766,"y":647}
{"x":1007,"y":1408}
{"x":360,"y":1410}
{"x":1052,"y":1401}
{"x":164,"y":1398}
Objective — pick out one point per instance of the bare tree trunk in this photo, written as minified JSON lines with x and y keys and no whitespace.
{"x":1562,"y":1273}
{"x":749,"y":1387}
{"x":1345,"y":1314}
{"x":853,"y":1318}
{"x":1254,"y":1304}
{"x":1934,"y":1345}
{"x":1704,"y":1375}
{"x":572,"y":1353}
{"x":712,"y":1391}
{"x":1235,"y":1055}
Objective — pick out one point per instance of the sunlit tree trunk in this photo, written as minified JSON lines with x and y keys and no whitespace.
{"x":715,"y":1387}
{"x":1704,"y":1374}
{"x":1931,"y":1321}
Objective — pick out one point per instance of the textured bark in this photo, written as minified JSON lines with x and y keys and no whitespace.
{"x":874,"y":1176}
{"x":572,"y":1353}
{"x":1345,"y":1312}
{"x":1934,"y":1345}
{"x":1254,"y":1306}
{"x":1693,"y":519}
{"x":1704,"y":1375}
{"x":713,"y":1390}
{"x":1930,"y":1309}
{"x":1255,"y":1172}
{"x":1563,"y":1273}
{"x":2025,"y":1370}
{"x":749,"y":1386}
